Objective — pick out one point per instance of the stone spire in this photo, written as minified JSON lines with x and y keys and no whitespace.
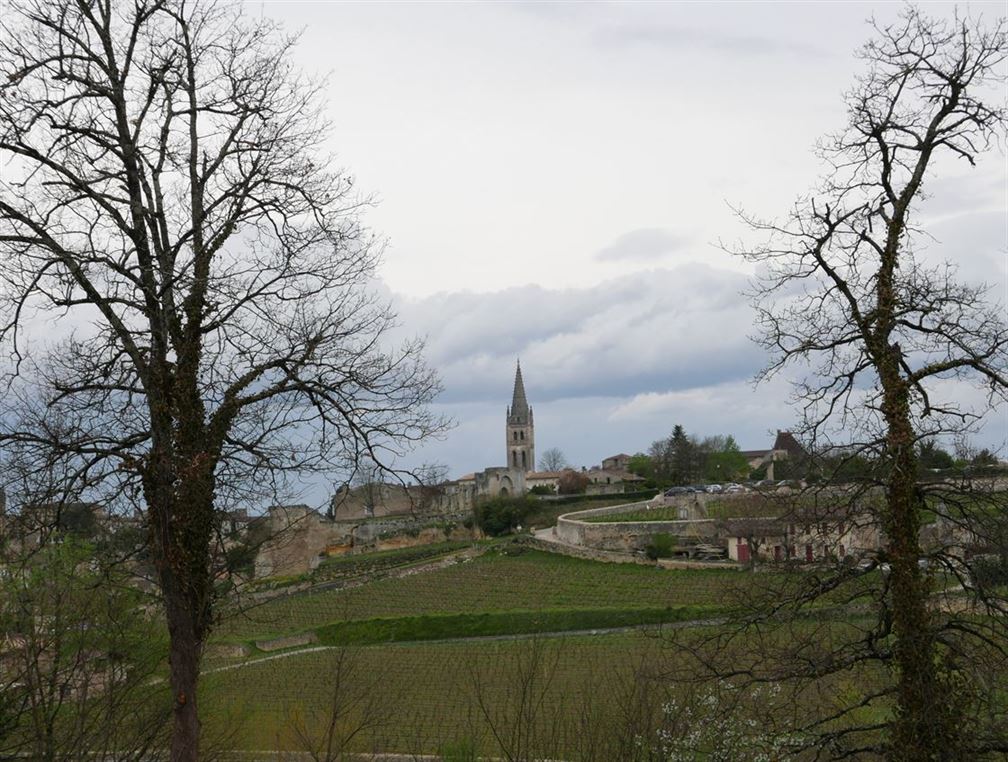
{"x":519,"y":410}
{"x":519,"y":431}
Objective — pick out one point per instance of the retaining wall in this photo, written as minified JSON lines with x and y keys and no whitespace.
{"x":631,"y":536}
{"x":590,"y":554}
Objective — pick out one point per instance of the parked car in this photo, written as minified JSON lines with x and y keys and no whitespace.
{"x":673,"y":491}
{"x":714,"y":489}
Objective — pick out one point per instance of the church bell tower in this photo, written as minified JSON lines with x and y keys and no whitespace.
{"x":520,"y":430}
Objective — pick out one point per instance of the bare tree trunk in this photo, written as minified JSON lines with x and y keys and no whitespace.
{"x":921,"y":730}
{"x":184,"y":657}
{"x":182,"y":511}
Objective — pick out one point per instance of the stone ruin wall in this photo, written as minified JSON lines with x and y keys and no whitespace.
{"x":300,"y":538}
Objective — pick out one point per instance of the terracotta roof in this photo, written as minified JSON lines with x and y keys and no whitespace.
{"x":543,"y":474}
{"x":467,"y":478}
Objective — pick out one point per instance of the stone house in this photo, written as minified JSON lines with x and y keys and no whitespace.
{"x":550,"y":479}
{"x":785,"y":447}
{"x":802,"y":537}
{"x":616,"y":462}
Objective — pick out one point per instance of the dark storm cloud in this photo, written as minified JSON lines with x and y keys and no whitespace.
{"x":642,"y":244}
{"x":654,"y":331}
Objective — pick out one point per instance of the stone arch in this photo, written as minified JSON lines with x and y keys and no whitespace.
{"x":506,"y":485}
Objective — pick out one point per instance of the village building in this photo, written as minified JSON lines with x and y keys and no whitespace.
{"x":619,"y":462}
{"x":785,"y":447}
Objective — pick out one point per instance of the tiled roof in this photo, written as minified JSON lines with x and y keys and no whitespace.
{"x":786,"y":441}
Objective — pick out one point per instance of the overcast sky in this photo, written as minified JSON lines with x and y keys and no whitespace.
{"x":552,"y":181}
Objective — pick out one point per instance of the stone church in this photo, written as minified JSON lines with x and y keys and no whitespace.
{"x":520,"y":429}
{"x":519,"y":455}
{"x":458,"y":496}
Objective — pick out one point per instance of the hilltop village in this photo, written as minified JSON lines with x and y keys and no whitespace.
{"x":518,"y":475}
{"x":378,"y":515}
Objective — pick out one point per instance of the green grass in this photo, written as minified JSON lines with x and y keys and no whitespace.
{"x":531,"y":581}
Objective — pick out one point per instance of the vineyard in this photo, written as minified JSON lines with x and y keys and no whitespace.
{"x":423,"y":697}
{"x":352,"y":567}
{"x":655,"y":513}
{"x":556,"y":698}
{"x":529,"y":581}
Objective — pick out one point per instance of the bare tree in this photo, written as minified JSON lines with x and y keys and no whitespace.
{"x":525,"y":719}
{"x":880,"y":338}
{"x":572,"y":482}
{"x":166,"y":194}
{"x":352,"y":710}
{"x":553,"y":460}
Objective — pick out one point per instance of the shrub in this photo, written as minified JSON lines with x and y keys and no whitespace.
{"x":501,"y":515}
{"x":542,"y":489}
{"x":662,"y":545}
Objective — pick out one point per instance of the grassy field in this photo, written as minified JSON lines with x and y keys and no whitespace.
{"x":531,"y":581}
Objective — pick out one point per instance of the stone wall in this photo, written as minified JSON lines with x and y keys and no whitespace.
{"x":591,"y":554}
{"x":300,"y":538}
{"x":628,"y":537}
{"x":297,"y":539}
{"x":497,"y":481}
{"x":379,"y":499}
